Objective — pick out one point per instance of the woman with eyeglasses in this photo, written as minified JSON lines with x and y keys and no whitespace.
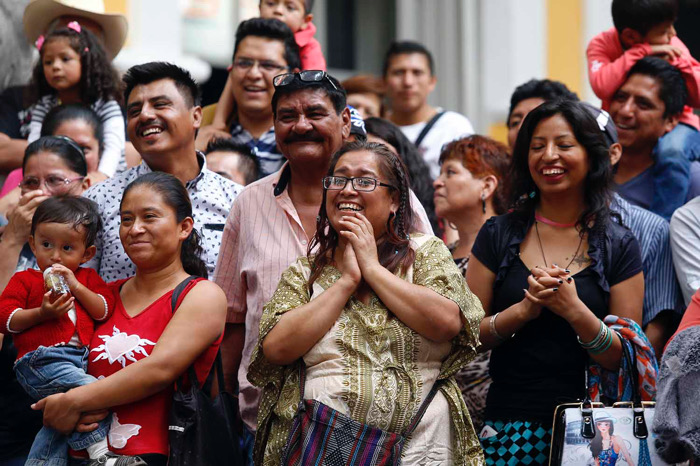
{"x":52,"y":166}
{"x":376,"y":322}
{"x":82,"y":125}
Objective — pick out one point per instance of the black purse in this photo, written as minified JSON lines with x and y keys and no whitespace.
{"x":203,"y":430}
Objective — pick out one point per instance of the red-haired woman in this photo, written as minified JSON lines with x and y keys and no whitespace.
{"x":469,"y":191}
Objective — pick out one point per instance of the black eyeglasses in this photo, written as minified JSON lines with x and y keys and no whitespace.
{"x":361,"y":183}
{"x":309,"y":76}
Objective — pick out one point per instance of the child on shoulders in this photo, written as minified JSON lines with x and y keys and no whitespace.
{"x":644,"y":28}
{"x":73,"y":68}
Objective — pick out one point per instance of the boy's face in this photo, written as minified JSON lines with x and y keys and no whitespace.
{"x":290,"y":12}
{"x":60,"y":243}
{"x":226,"y":164}
{"x":661,"y":34}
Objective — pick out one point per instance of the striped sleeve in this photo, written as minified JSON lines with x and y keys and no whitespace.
{"x":661,"y":291}
{"x":110,"y":114}
{"x":39,"y":112}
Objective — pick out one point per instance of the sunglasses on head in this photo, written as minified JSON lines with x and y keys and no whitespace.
{"x":309,"y":76}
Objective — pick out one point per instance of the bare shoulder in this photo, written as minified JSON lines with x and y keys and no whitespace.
{"x":206,"y":295}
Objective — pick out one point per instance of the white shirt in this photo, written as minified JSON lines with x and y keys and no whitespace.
{"x":449,"y":127}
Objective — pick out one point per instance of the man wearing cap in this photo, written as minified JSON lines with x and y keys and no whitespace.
{"x":273,"y":220}
{"x":264,"y":48}
{"x":40,"y":17}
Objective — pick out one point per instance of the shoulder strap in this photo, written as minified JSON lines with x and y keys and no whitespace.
{"x":426,"y":129}
{"x":178,"y":291}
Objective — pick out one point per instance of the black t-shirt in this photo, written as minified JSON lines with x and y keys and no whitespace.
{"x":14,"y":119}
{"x":543,"y":365}
{"x":19,"y":423}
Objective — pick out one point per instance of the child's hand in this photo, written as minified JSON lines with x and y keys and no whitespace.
{"x":666,"y":51}
{"x":55,"y":309}
{"x":68,"y":275}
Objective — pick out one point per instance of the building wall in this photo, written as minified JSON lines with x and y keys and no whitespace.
{"x":485,"y":48}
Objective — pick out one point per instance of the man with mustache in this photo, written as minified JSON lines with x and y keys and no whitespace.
{"x":273,"y":220}
{"x":162,"y":117}
{"x":264,"y":48}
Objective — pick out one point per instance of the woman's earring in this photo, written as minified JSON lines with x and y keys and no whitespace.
{"x":483,"y":203}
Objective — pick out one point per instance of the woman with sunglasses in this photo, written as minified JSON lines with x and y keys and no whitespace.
{"x":547,"y":273}
{"x":377,"y":320}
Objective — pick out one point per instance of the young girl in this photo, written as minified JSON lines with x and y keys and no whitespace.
{"x":74,"y":69}
{"x":53,"y":322}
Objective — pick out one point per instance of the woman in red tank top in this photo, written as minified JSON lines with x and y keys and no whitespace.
{"x":144,"y":347}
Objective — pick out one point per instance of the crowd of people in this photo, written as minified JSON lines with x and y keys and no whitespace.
{"x":365,"y":264}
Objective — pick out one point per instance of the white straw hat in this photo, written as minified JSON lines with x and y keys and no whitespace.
{"x":40,"y":13}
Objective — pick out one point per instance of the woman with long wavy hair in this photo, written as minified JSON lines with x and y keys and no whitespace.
{"x":547,"y":273}
{"x":375,"y":319}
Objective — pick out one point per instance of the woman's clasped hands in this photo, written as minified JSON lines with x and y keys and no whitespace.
{"x":360,"y":257}
{"x":553,"y":288}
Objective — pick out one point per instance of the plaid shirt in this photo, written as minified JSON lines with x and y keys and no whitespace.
{"x":264,"y":148}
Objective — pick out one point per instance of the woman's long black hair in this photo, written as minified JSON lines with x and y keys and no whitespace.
{"x":175,"y":196}
{"x":596,"y":445}
{"x":525,"y":195}
{"x":394,"y":250}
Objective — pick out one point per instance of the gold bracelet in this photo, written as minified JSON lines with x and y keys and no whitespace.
{"x":494,"y":332}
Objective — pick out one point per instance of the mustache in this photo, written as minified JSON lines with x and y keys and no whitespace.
{"x":307,"y":137}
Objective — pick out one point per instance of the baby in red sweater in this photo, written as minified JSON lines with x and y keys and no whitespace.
{"x":51,"y":331}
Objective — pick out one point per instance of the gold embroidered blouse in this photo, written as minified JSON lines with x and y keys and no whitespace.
{"x":373,"y":368}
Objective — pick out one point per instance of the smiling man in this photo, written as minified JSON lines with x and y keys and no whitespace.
{"x":163,"y":115}
{"x":274,"y":219}
{"x":646,"y":107}
{"x":264,"y":48}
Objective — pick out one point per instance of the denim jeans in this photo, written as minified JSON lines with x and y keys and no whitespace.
{"x":47,"y":371}
{"x":673,"y":154}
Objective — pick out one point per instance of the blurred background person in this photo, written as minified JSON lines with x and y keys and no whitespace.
{"x":366,"y":94}
{"x":387,"y":133}
{"x":232,"y":160}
